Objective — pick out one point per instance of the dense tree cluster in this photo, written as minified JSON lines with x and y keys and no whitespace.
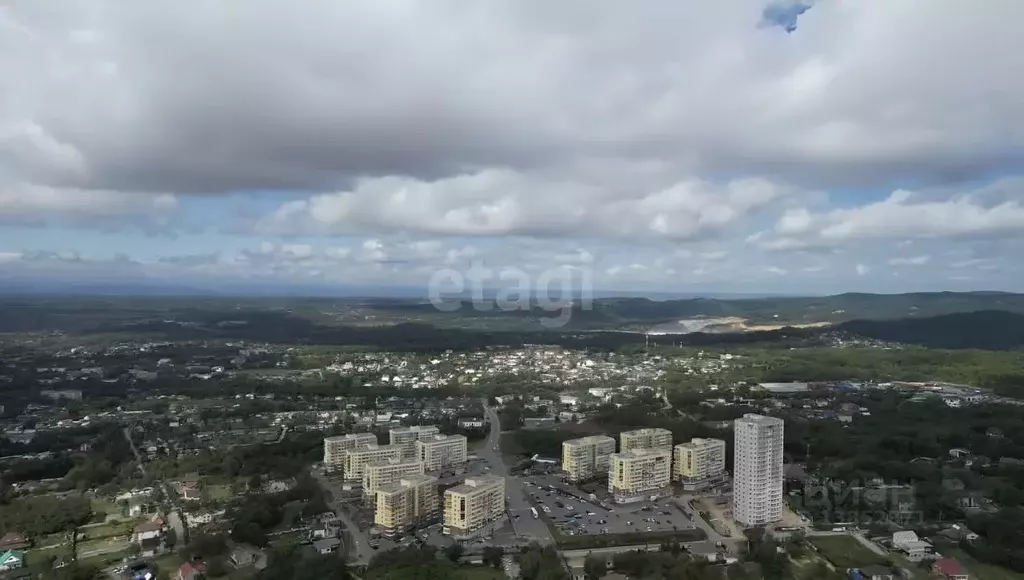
{"x":291,"y":562}
{"x":40,"y":515}
{"x":258,"y":514}
{"x":541,"y":563}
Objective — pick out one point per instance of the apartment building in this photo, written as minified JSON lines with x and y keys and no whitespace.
{"x":587,"y":458}
{"x":698,"y":463}
{"x":645,"y":439}
{"x":757,"y":473}
{"x":382,"y":473}
{"x":406,"y":437}
{"x":407,"y":503}
{"x":442,"y":452}
{"x":639,"y":474}
{"x":471,"y":507}
{"x":357,"y":459}
{"x":335,"y":448}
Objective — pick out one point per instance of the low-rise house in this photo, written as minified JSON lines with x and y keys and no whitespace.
{"x":12,"y":560}
{"x":149,"y":537}
{"x":13,"y":541}
{"x":959,"y":453}
{"x":192,"y":571}
{"x":914,"y":548}
{"x":538,"y":422}
{"x":949,"y":569}
{"x":959,"y":532}
{"x":326,"y":545}
{"x":244,"y":555}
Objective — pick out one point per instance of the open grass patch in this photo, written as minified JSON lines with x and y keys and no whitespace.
{"x":219,"y":492}
{"x":108,"y":530}
{"x":102,"y":505}
{"x":480,"y":573}
{"x":845,"y":552}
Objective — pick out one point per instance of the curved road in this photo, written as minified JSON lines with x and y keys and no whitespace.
{"x":526,"y":527}
{"x":360,"y":552}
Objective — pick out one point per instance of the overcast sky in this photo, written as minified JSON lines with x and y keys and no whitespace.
{"x":665,"y":145}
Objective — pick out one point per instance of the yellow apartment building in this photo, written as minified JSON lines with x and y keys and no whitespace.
{"x":652,"y":438}
{"x":408,"y":503}
{"x":406,"y":437}
{"x":335,"y":448}
{"x":442,"y":452}
{"x":639,"y":474}
{"x":469,"y":508}
{"x":698,"y":463}
{"x":356,"y":459}
{"x":587,"y":457}
{"x":382,"y":473}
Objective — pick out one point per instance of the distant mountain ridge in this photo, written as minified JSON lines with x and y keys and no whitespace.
{"x":643,"y":313}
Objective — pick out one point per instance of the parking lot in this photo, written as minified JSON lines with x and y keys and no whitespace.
{"x":574,"y":512}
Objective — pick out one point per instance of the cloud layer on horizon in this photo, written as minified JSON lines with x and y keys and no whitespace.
{"x":650,"y":136}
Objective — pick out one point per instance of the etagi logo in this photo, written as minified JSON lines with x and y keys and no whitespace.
{"x":860,"y":503}
{"x":557,"y":290}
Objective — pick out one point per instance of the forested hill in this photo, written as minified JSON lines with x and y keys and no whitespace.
{"x":803,"y":309}
{"x":986,"y":329}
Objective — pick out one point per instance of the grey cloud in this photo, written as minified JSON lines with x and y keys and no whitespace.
{"x":170,"y":96}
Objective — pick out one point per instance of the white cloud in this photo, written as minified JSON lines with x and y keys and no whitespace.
{"x":901,"y":215}
{"x":502,"y":202}
{"x":24,"y":200}
{"x":910,"y":261}
{"x":862,"y":270}
{"x":9,"y":256}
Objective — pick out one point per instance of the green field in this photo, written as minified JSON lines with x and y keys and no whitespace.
{"x":105,"y":506}
{"x":219,"y":492}
{"x":109,"y":530}
{"x":845,"y":551}
{"x":38,"y":560}
{"x":480,"y":573}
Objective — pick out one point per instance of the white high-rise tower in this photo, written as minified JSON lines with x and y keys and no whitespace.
{"x":757,"y":473}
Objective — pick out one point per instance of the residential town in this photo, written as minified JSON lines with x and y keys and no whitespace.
{"x":379,"y":450}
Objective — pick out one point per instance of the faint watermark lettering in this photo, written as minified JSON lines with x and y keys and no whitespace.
{"x":554,"y":292}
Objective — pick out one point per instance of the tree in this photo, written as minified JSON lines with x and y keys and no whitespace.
{"x":171,"y":538}
{"x":208,"y":545}
{"x":215,"y":568}
{"x":454,"y":552}
{"x":493,"y":554}
{"x":594,"y":567}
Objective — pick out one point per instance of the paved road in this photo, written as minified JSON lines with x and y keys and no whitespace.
{"x":360,"y":550}
{"x":173,"y":517}
{"x":713,"y":535}
{"x":527,"y":528}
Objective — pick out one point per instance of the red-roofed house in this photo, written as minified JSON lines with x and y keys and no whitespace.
{"x":192,"y":571}
{"x":13,"y":541}
{"x":950,"y":569}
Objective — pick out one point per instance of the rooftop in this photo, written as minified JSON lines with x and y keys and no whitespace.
{"x":406,"y":482}
{"x":414,"y":429}
{"x":783,"y":387}
{"x":636,"y":453}
{"x":589,"y":440}
{"x":759,"y":419}
{"x":949,"y":567}
{"x":474,"y":483}
{"x":348,"y":436}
